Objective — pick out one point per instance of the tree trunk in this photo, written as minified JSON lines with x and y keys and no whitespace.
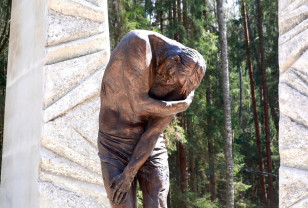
{"x":159,"y":16}
{"x":210,"y":144}
{"x":175,"y":20}
{"x":174,"y":4}
{"x":182,"y":157}
{"x":254,"y":104}
{"x":179,"y":10}
{"x":180,"y":21}
{"x":212,"y":185}
{"x":212,"y":169}
{"x":161,"y":20}
{"x":227,"y":104}
{"x":169,"y":199}
{"x":170,"y":16}
{"x":204,"y":11}
{"x":191,"y":158}
{"x":241,"y":95}
{"x":185,"y":20}
{"x":203,"y":177}
{"x":192,"y":173}
{"x":265,"y":107}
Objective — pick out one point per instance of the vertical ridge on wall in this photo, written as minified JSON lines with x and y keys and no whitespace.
{"x":293,"y":99}
{"x":58,"y":52}
{"x":23,"y":105}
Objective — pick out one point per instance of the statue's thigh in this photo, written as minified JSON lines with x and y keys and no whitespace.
{"x":154,"y":183}
{"x":109,"y":172}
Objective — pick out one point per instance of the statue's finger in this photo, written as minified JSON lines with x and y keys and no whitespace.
{"x":114,"y":197}
{"x":120,"y":196}
{"x":123,"y":198}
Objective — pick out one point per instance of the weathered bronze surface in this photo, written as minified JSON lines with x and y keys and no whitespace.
{"x":148,"y":80}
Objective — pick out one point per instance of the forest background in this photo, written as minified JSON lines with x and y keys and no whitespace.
{"x":196,"y":139}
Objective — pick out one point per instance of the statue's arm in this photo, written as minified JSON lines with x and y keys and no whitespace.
{"x":146,"y":144}
{"x":136,"y":80}
{"x":142,"y":151}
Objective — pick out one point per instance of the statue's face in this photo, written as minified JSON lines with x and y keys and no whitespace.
{"x":170,"y":78}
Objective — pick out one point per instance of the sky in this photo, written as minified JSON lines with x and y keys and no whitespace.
{"x":233,"y":8}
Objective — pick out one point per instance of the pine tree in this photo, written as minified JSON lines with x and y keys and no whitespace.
{"x":254,"y":103}
{"x":227,"y":104}
{"x":265,"y":107}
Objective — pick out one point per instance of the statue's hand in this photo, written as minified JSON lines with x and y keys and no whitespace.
{"x":120,"y":186}
{"x":189,"y":98}
{"x":181,"y":105}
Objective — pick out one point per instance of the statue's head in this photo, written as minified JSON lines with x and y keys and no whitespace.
{"x":177,"y":74}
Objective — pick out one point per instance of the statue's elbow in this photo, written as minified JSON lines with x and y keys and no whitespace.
{"x":138,"y":108}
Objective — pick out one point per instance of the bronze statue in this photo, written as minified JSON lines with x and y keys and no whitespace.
{"x":148,"y":80}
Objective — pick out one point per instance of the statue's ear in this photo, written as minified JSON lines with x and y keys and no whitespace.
{"x":176,"y":58}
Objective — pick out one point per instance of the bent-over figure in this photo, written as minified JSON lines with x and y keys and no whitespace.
{"x":148,"y":80}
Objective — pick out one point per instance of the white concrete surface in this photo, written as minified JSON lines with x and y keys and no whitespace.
{"x":57,"y":55}
{"x":293,"y":100}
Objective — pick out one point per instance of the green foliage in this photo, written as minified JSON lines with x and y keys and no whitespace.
{"x":124,"y":16}
{"x":139,"y":197}
{"x":201,"y":128}
{"x":205,"y":202}
{"x":208,"y":45}
{"x":194,"y":200}
{"x":174,"y":133}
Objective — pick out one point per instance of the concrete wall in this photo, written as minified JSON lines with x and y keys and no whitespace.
{"x":57,"y":55}
{"x":293,"y":101}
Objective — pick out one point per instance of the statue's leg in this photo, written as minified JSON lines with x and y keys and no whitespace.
{"x":110,"y":171}
{"x":154,"y":183}
{"x":114,"y":158}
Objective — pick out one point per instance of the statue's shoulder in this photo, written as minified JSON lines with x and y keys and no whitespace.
{"x":140,"y":36}
{"x":143,"y":37}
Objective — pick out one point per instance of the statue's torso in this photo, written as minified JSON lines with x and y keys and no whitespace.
{"x":116,"y":115}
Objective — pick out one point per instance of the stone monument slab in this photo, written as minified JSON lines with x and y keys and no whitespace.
{"x":57,"y":56}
